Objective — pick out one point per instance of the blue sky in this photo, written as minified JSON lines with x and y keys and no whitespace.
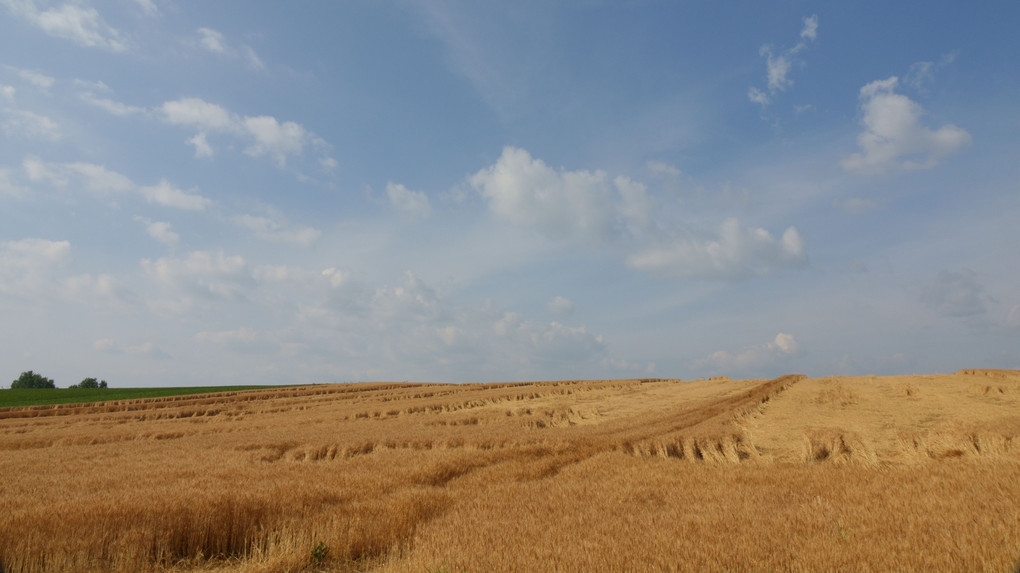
{"x":238,"y":192}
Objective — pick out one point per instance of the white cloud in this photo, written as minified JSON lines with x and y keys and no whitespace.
{"x":734,"y":252}
{"x":147,"y":349}
{"x":215,"y":42}
{"x":80,"y":24}
{"x":335,"y":276}
{"x":7,"y":92}
{"x":778,"y":65}
{"x":328,"y":164}
{"x":751,"y":357}
{"x":275,"y":228}
{"x":37,"y":171}
{"x":560,"y":305}
{"x":110,"y":106}
{"x":588,"y":206}
{"x":104,"y":345}
{"x":210,"y":274}
{"x":98,"y":178}
{"x":161,"y":231}
{"x":810,"y":30}
{"x":92,"y":177}
{"x":27,"y":265}
{"x":202,"y":147}
{"x":164,"y":193}
{"x":893,"y":138}
{"x":27,"y":253}
{"x":253,"y":59}
{"x":102,"y":286}
{"x":759,"y":97}
{"x":414,"y":202}
{"x":37,"y":79}
{"x":31,"y":125}
{"x":212,"y":40}
{"x":195,"y":112}
{"x":527,"y":192}
{"x":276,"y":139}
{"x":265,"y":134}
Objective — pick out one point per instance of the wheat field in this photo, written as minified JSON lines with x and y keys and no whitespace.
{"x":904,"y":473}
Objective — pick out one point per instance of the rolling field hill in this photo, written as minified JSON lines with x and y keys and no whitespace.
{"x":793,"y":474}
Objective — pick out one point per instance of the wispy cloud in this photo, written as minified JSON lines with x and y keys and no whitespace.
{"x":778,"y":65}
{"x":80,"y":24}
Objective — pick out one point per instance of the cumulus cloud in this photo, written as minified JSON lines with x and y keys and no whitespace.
{"x":275,"y":228}
{"x":264,"y":134}
{"x":751,"y":357}
{"x":160,"y":231}
{"x":560,"y":203}
{"x":198,"y":113}
{"x":404,"y":199}
{"x":411,"y":322}
{"x":734,"y":252}
{"x":276,"y":139}
{"x":894,"y":138}
{"x":202,"y":147}
{"x":80,"y":24}
{"x":27,"y":265}
{"x":206,"y":274}
{"x":589,"y":206}
{"x":779,"y":64}
{"x":560,"y":305}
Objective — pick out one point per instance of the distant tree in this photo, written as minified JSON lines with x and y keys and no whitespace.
{"x":32,"y":380}
{"x":89,"y":383}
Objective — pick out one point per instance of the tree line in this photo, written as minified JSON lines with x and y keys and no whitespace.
{"x":31,"y":379}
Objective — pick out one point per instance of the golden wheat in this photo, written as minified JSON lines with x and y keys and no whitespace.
{"x":792,"y":474}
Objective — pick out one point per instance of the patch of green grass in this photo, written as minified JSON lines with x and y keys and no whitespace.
{"x":40,"y":396}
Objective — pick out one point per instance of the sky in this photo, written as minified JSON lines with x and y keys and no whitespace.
{"x":236,"y":192}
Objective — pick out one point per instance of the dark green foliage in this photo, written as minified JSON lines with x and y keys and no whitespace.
{"x":32,"y":380}
{"x":33,"y":397}
{"x":319,"y":553}
{"x":89,"y":383}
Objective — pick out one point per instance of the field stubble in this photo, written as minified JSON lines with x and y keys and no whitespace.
{"x":897,"y":473}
